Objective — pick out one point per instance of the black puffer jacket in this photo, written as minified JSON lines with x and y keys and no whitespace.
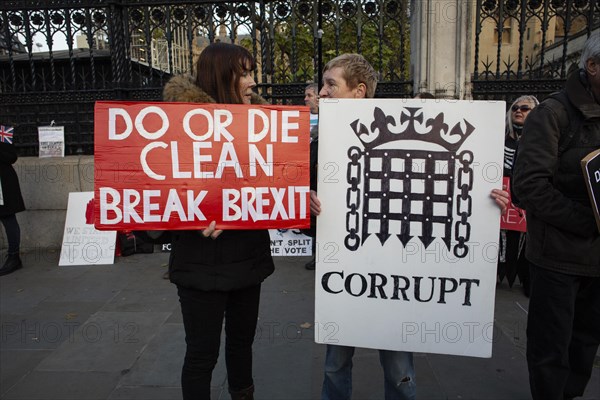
{"x":237,"y":258}
{"x":561,"y":229}
{"x":11,"y":191}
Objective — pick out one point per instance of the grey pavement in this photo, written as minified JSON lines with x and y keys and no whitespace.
{"x":115,"y":332}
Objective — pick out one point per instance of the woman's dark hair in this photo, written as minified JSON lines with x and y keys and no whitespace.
{"x":219,"y":69}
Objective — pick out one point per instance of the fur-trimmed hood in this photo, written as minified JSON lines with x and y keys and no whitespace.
{"x":182,"y":88}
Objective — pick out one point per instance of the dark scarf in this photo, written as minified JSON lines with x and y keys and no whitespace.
{"x":517,"y":130}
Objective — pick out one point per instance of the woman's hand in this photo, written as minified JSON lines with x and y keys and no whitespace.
{"x":501,"y":198}
{"x":211,"y":231}
{"x":315,"y":203}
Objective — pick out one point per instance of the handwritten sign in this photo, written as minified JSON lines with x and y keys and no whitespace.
{"x":82,"y":244}
{"x":183,"y":165}
{"x":515,"y":218}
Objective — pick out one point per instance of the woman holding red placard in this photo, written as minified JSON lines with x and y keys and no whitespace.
{"x":511,"y":260}
{"x":218,"y":273}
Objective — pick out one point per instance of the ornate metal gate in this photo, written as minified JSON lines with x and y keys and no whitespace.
{"x":58,"y":57}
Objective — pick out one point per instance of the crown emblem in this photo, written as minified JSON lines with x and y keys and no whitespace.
{"x":434,"y":130}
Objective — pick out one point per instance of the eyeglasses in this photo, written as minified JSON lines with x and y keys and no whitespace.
{"x":522,"y":108}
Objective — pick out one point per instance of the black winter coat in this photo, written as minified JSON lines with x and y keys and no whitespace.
{"x":561,"y":230}
{"x":11,"y":191}
{"x":234,"y":260}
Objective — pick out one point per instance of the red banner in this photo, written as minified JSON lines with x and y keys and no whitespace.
{"x":182,"y":165}
{"x":515,"y":218}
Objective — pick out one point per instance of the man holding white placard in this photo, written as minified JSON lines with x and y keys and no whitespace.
{"x":350,"y":76}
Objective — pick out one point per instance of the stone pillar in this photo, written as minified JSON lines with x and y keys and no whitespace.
{"x":440,"y":41}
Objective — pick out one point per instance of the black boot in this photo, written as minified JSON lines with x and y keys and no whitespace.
{"x":12,"y":263}
{"x":244,"y":394}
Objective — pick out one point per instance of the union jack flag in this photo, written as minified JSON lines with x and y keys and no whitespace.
{"x":6,"y":134}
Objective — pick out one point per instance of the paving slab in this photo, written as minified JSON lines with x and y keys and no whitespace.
{"x":108,"y":342}
{"x":64,"y":385}
{"x":16,"y":364}
{"x":46,"y":325}
{"x":160,"y":298}
{"x":150,"y":393}
{"x":160,"y":363}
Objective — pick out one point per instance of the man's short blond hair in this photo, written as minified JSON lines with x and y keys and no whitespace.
{"x":356,"y":69}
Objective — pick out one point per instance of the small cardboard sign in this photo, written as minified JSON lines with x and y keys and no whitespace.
{"x":290,"y":243}
{"x":82,"y":244}
{"x":591,"y":171}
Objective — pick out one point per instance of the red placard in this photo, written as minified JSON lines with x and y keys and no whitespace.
{"x":515,"y":218}
{"x":182,"y":165}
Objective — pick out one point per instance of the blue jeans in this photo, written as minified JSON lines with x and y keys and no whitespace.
{"x":398,"y":371}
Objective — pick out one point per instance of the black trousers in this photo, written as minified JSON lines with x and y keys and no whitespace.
{"x":13,"y":233}
{"x":203,"y":313}
{"x":563,"y":333}
{"x":512,"y":245}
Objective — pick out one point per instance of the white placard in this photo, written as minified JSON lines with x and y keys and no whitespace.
{"x":408,"y":233}
{"x":82,"y":244}
{"x":290,"y":243}
{"x":52,"y":141}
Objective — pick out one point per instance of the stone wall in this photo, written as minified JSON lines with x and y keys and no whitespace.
{"x":46,"y":184}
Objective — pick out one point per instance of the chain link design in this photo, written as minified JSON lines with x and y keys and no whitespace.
{"x":353,"y":176}
{"x":464,"y":203}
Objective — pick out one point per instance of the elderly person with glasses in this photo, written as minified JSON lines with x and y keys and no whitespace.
{"x":511,"y":260}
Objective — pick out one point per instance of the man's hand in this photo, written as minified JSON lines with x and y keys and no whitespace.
{"x":211,"y":231}
{"x":501,"y":198}
{"x":315,"y":203}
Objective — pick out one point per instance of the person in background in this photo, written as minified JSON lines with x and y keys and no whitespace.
{"x":311,"y":99}
{"x":218,"y":273}
{"x":511,"y":258}
{"x":563,"y":242}
{"x":11,"y":203}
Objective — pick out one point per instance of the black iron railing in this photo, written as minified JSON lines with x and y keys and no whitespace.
{"x":58,"y":57}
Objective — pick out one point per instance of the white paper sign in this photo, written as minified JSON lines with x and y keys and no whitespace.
{"x":408,"y":230}
{"x":52,"y":141}
{"x":82,"y":244}
{"x":290,"y":242}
